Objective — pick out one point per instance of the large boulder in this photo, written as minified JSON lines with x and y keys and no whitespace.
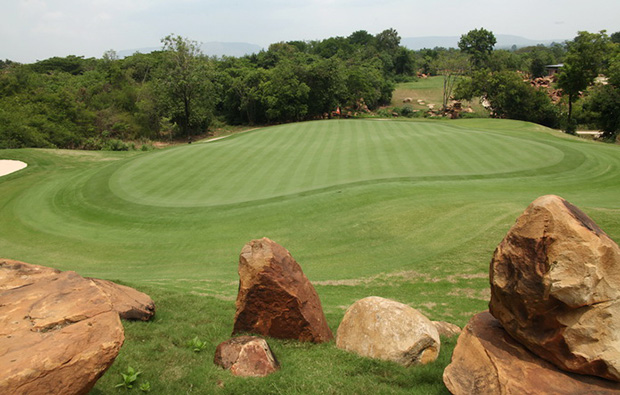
{"x":275,"y":298}
{"x":486,"y":360}
{"x":555,"y":288}
{"x":58,"y":335}
{"x":384,"y":329}
{"x":128,"y":302}
{"x":15,"y":274}
{"x":447,"y":329}
{"x":246,"y":356}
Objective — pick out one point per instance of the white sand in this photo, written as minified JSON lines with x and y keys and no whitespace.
{"x":9,"y":166}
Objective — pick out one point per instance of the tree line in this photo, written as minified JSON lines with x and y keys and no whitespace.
{"x":72,"y":102}
{"x":177,"y":92}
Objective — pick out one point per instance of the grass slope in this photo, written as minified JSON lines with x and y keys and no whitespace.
{"x":406,"y":210}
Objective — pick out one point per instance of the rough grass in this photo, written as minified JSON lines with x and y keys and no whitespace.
{"x":430,"y":91}
{"x":405,"y":210}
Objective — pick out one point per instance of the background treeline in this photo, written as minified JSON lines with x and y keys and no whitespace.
{"x":588,"y":82}
{"x":112,"y":103}
{"x":72,"y":102}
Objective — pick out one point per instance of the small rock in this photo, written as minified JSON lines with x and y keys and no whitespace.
{"x":246,"y":356}
{"x":486,"y":360}
{"x":384,"y":329}
{"x":555,"y":288}
{"x":275,"y":297}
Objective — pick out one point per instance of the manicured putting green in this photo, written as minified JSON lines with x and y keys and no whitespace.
{"x":289,"y":159}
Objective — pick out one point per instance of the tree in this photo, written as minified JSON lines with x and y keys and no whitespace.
{"x":508,"y":96}
{"x":284,"y":95}
{"x":451,"y":65}
{"x":479,"y":44}
{"x":404,"y":62}
{"x":604,"y":101}
{"x":585,"y":57}
{"x":388,"y":40}
{"x":361,"y":37}
{"x":184,"y":85}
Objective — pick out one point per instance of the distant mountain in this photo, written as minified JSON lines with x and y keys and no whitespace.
{"x":210,"y":49}
{"x":504,"y":41}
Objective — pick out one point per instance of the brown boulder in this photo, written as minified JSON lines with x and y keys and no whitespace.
{"x":486,"y":360}
{"x":555,"y":288}
{"x":275,"y":298}
{"x":58,"y":335}
{"x":246,"y":356}
{"x":380,"y":328}
{"x":15,"y":274}
{"x":128,"y":302}
{"x":447,"y":329}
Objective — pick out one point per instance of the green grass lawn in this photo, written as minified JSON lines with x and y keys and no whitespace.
{"x":405,"y":210}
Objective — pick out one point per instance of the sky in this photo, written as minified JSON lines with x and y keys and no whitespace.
{"x":32,"y":30}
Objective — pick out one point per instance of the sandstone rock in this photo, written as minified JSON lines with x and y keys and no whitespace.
{"x":128,"y":302}
{"x":15,"y":274}
{"x":447,"y":329}
{"x":58,"y":334}
{"x":246,"y":356}
{"x":486,"y":360}
{"x":275,"y":298}
{"x":384,"y":329}
{"x":555,"y":288}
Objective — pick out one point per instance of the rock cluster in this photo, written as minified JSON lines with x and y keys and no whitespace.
{"x":555,"y":296}
{"x":555,"y":287}
{"x":59,"y":332}
{"x":275,"y":298}
{"x":384,"y":329}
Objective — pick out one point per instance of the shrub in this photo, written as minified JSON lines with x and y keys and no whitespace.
{"x":115,"y":145}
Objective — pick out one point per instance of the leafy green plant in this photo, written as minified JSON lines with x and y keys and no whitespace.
{"x":196,"y":344}
{"x":145,"y":387}
{"x":129,"y":378}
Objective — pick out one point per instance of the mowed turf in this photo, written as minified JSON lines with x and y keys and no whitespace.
{"x":309,"y":156}
{"x":406,"y":210}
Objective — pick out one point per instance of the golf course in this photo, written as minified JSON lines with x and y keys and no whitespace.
{"x":402,"y":209}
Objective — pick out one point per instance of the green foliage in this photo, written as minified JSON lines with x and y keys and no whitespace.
{"x":71,"y":64}
{"x":509,"y":97}
{"x":129,"y":378}
{"x":145,"y":387}
{"x":478,"y":43}
{"x":185,"y":90}
{"x":603,"y":104}
{"x":603,"y":101}
{"x":116,"y":145}
{"x":585,"y":57}
{"x":196,"y":344}
{"x":451,"y":65}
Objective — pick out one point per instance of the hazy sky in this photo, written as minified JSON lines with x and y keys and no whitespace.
{"x":33,"y":30}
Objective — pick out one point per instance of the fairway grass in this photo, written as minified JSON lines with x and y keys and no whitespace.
{"x":410,"y":211}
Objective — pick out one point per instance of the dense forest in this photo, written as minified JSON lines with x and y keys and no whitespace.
{"x":112,"y":103}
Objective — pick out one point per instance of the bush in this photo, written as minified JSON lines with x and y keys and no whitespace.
{"x":115,"y":145}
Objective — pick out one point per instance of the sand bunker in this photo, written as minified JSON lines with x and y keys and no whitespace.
{"x":9,"y":166}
